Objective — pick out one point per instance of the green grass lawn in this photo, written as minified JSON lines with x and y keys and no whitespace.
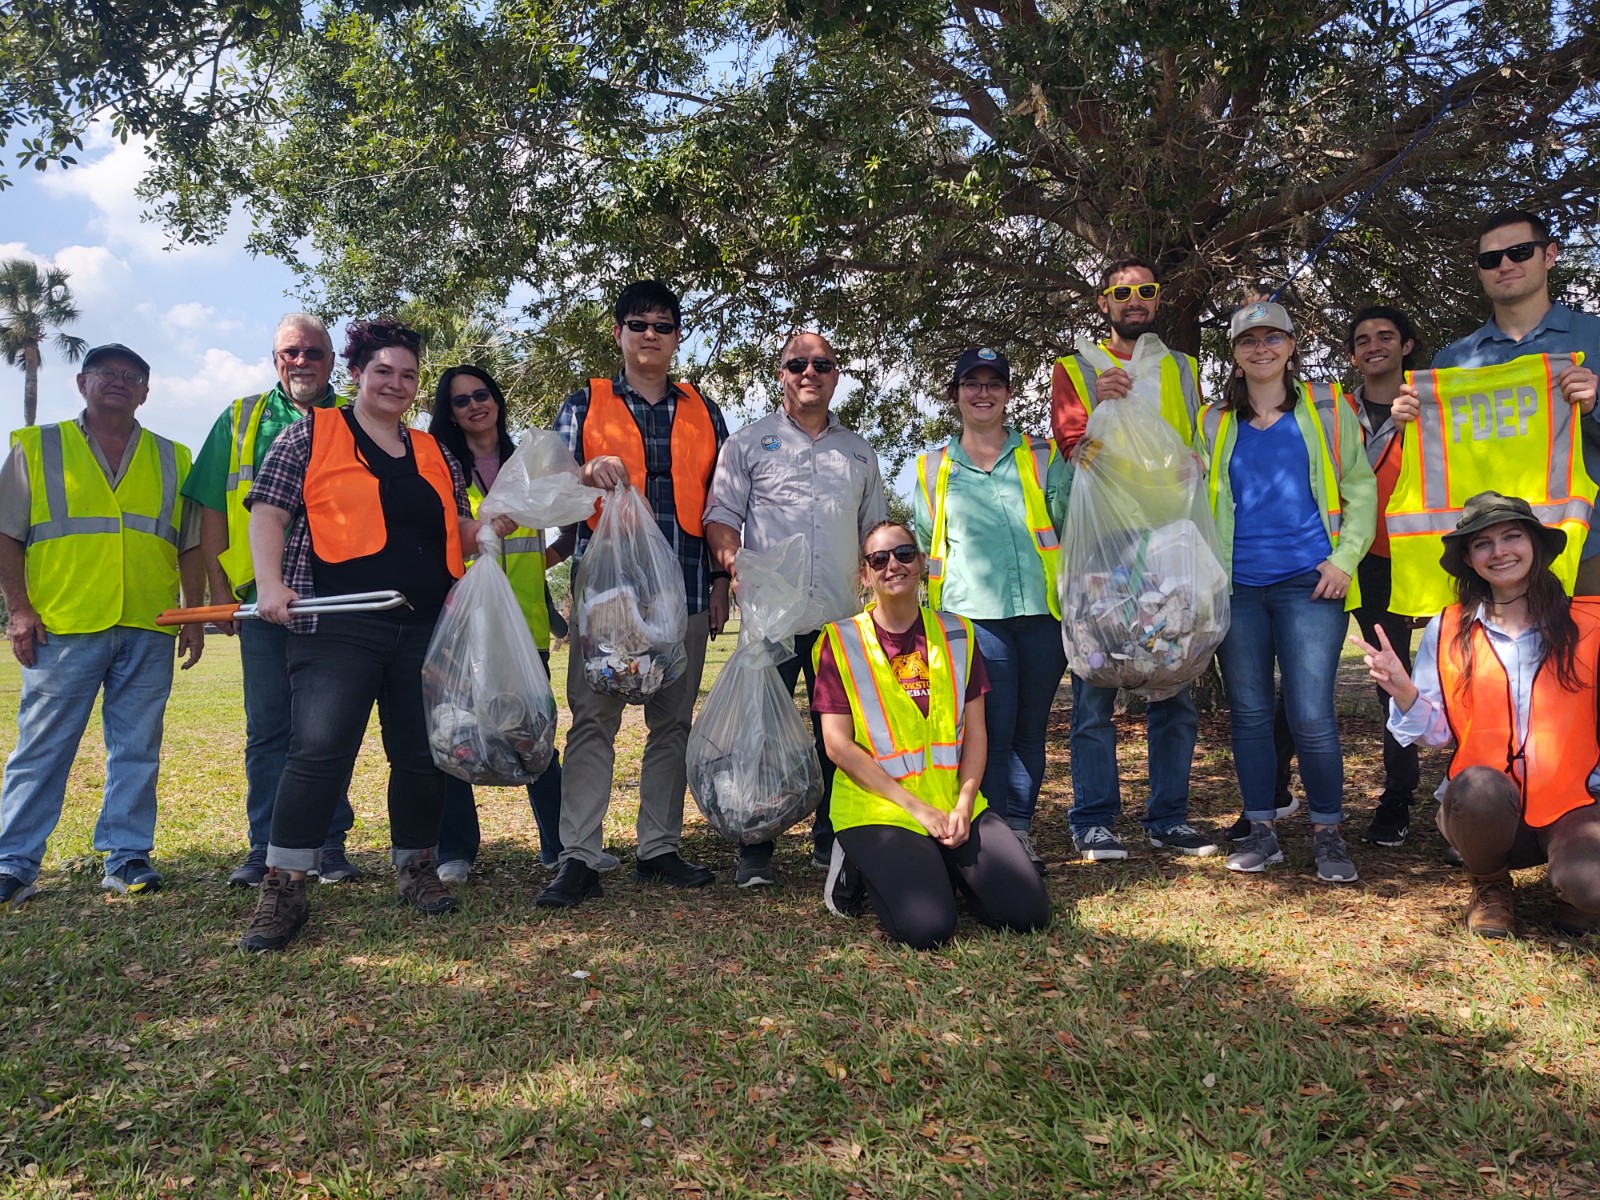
{"x":1180,"y":1031}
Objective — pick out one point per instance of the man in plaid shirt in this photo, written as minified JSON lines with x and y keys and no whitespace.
{"x":667,"y":419}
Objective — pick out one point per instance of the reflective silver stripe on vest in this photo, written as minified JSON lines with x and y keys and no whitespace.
{"x":1405,"y":524}
{"x":1191,"y":391}
{"x":1558,"y":480}
{"x":54,"y":471}
{"x":1430,"y":431}
{"x":897,"y":763}
{"x":955,"y":632}
{"x":1039,"y":452}
{"x":247,"y":470}
{"x":525,"y":545}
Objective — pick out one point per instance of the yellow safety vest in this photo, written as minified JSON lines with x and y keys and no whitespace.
{"x":246,"y":414}
{"x":1033,"y":458}
{"x":922,"y":752}
{"x":1219,"y":429}
{"x":1504,"y":427}
{"x":1180,"y":389}
{"x":524,"y":566}
{"x":97,"y":557}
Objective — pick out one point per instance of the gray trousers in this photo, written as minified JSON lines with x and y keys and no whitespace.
{"x":586,"y":771}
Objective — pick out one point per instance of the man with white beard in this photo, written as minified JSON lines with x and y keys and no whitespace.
{"x":221,"y":477}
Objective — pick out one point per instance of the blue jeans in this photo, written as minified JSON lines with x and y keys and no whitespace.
{"x":263,"y":653}
{"x":1282,"y":625}
{"x":1025,"y":660}
{"x":1171,"y":728}
{"x":134,"y":666}
{"x":459,"y":837}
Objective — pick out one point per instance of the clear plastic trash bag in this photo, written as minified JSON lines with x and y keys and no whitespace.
{"x":490,"y":711}
{"x":629,"y":608}
{"x":540,"y":485}
{"x":1144,"y":597}
{"x":753,"y":765}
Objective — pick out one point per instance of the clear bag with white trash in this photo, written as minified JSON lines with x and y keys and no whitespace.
{"x":753,"y":765}
{"x":540,"y":485}
{"x":630,"y":611}
{"x":490,"y":710}
{"x":1144,"y":596}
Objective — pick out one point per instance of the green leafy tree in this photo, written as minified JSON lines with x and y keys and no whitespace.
{"x":34,"y":306}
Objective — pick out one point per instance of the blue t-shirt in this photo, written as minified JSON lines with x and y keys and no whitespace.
{"x":1562,"y":331}
{"x":1277,"y":530}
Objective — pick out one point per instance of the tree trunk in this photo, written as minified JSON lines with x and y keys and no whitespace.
{"x":30,"y":384}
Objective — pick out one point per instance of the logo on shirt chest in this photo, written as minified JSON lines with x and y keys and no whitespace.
{"x":769,"y":442}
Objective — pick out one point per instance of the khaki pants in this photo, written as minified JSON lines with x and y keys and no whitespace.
{"x":586,"y":771}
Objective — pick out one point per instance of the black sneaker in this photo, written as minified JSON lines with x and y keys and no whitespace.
{"x":671,"y":868}
{"x":574,"y":883}
{"x":845,"y":892}
{"x":755,"y":866}
{"x":1390,"y":822}
{"x":282,"y":908}
{"x":252,"y":870}
{"x":135,"y":877}
{"x":1098,"y":844}
{"x":1185,"y":839}
{"x":336,"y":867}
{"x":13,"y":892}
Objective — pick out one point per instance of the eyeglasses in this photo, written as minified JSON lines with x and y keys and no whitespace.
{"x":112,"y":374}
{"x":481,"y":396}
{"x":822,"y":366}
{"x":1488,"y":260}
{"x":1271,"y":341}
{"x":662,"y":327}
{"x":1123,"y":292}
{"x":310,"y":354}
{"x":879,"y":559}
{"x":997,"y":386}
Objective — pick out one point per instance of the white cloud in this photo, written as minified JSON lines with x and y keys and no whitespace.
{"x":98,"y":277}
{"x":192,"y":317}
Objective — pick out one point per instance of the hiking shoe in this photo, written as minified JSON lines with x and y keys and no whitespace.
{"x":845,"y":892}
{"x":135,"y":877}
{"x":671,"y":868}
{"x":13,"y":892}
{"x":455,"y":871}
{"x":755,"y":867}
{"x":421,"y":888}
{"x":1098,"y":844}
{"x":336,"y":868}
{"x":574,"y":883}
{"x":1257,"y":852}
{"x":1492,"y":911}
{"x":1185,"y":839}
{"x":1452,"y":856}
{"x":1334,"y":864}
{"x":252,"y":870}
{"x":282,"y":908}
{"x":1025,"y":836}
{"x":1391,"y":821}
{"x":1573,"y":921}
{"x":1240,"y":829}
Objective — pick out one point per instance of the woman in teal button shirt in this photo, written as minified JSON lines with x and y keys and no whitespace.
{"x":989,"y":508}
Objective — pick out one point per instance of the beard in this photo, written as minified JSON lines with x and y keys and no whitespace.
{"x":305,"y":392}
{"x":1132,"y":329}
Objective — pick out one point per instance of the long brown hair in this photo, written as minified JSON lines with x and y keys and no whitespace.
{"x":1236,"y":392}
{"x":1549,"y":612}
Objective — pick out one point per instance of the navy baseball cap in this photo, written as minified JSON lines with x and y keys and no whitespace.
{"x":117,"y":348}
{"x":982,"y":356}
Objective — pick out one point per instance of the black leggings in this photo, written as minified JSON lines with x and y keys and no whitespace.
{"x":912,"y":880}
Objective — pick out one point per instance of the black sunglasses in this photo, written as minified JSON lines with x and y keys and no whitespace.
{"x":1521,"y":252}
{"x":879,"y":559}
{"x":822,"y":366}
{"x":481,"y":396}
{"x":662,"y":327}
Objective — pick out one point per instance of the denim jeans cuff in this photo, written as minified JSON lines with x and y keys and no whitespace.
{"x":293,"y":859}
{"x":402,"y":856}
{"x":1266,"y":814}
{"x":1326,"y":818}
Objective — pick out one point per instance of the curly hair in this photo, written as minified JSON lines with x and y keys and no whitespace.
{"x":363,"y":339}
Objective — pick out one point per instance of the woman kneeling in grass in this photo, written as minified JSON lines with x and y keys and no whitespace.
{"x":900,"y":689}
{"x":1509,"y":672}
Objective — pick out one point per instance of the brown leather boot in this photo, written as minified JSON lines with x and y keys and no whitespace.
{"x":1573,"y":921}
{"x":1492,"y":911}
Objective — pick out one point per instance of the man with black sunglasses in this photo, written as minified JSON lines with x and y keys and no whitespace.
{"x":1515,"y":254}
{"x":662,"y":437}
{"x":799,"y":470}
{"x":302,"y":354}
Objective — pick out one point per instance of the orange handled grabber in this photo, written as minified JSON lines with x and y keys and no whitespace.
{"x":354,"y":602}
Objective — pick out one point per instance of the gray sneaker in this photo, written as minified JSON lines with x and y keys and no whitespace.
{"x":454,"y":872}
{"x":1025,"y":836}
{"x":1098,"y":844}
{"x":1334,"y":864}
{"x":1257,"y":852}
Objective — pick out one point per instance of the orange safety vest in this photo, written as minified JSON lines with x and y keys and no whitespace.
{"x":1561,"y":747}
{"x":609,"y":428}
{"x":341,"y":493}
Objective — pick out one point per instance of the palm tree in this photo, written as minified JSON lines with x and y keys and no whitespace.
{"x":34,"y":303}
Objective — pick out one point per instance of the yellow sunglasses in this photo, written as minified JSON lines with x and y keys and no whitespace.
{"x":1123,"y":292}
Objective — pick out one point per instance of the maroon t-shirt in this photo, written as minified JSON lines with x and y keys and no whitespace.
{"x":908,"y":659}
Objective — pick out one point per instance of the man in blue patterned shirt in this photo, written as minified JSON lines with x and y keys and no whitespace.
{"x":662,"y":437}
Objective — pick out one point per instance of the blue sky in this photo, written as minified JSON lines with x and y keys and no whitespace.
{"x":202,"y":316}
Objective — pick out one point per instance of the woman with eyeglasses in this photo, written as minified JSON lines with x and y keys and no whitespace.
{"x":1295,"y":503}
{"x":469,"y":420}
{"x":348,"y":501}
{"x":901,"y":692}
{"x":989,"y":508}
